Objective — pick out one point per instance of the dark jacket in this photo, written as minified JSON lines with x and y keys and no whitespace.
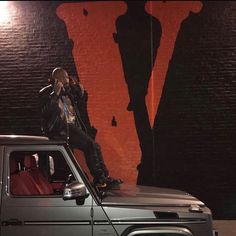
{"x":52,"y":125}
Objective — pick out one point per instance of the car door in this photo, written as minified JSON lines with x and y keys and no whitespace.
{"x":41,"y":214}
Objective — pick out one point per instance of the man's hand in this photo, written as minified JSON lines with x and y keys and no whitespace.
{"x":58,"y":86}
{"x":73,"y":80}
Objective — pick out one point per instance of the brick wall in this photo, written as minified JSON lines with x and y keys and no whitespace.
{"x":195,"y":124}
{"x":32,"y":44}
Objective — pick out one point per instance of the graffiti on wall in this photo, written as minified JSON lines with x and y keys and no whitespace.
{"x":122,"y":52}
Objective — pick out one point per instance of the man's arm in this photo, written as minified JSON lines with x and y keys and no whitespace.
{"x":50,"y":111}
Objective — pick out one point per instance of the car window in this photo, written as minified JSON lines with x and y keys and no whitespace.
{"x":38,"y":173}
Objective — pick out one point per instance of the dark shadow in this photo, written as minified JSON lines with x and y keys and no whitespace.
{"x":138,"y":36}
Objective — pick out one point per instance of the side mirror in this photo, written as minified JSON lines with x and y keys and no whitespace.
{"x":77,"y":191}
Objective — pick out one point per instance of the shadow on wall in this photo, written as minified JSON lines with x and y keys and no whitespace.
{"x":136,"y":30}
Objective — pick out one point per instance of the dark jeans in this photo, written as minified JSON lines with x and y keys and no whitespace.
{"x":92,"y":151}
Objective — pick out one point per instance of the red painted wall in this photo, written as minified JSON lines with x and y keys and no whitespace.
{"x":91,"y":26}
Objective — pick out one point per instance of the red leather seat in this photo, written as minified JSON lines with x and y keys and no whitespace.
{"x":41,"y":181}
{"x":30,"y":182}
{"x":20,"y":185}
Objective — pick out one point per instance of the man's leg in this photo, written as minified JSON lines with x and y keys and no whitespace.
{"x":111,"y":182}
{"x":79,"y":139}
{"x":94,"y":159}
{"x":102,"y":163}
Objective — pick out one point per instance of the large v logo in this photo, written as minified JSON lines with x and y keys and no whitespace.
{"x":92,"y":27}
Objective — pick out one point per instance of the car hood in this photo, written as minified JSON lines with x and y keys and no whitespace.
{"x":132,"y":195}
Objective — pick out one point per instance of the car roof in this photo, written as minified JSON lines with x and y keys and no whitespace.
{"x":27,"y":139}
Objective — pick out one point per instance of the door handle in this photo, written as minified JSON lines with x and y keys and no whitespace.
{"x":15,"y":222}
